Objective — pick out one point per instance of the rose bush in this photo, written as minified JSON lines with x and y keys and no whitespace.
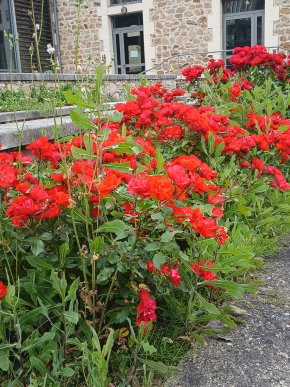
{"x":142,"y":218}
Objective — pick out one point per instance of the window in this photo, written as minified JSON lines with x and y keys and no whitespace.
{"x":243,"y":23}
{"x":236,"y":6}
{"x":25,"y":32}
{"x":6,"y":28}
{"x":121,"y":2}
{"x":129,"y":44}
{"x":14,"y":16}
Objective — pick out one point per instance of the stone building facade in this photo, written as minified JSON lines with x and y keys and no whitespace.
{"x":158,"y":35}
{"x":170,"y":27}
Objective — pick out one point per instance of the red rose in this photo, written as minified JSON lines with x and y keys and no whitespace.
{"x":3,"y":290}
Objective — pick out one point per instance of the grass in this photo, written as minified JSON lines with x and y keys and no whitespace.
{"x":37,"y":98}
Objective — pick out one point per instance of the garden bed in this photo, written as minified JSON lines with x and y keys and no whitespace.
{"x":122,"y":242}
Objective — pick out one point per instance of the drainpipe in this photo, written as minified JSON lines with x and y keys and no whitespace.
{"x":55,"y":30}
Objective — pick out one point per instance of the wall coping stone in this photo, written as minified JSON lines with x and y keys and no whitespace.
{"x":27,"y":115}
{"x":31,"y":130}
{"x":6,"y":77}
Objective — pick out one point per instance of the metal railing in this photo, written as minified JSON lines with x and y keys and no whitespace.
{"x":223,"y":54}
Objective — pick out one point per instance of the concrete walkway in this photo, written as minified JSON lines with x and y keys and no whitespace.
{"x":257,"y":353}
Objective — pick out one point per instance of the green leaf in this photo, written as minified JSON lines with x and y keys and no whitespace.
{"x":219,"y":148}
{"x":4,"y":360}
{"x":46,"y":236}
{"x":153,"y":246}
{"x":30,"y":317}
{"x":79,"y":154}
{"x":88,"y":142}
{"x":125,"y":147}
{"x":71,"y":316}
{"x":67,"y":372}
{"x":234,"y":289}
{"x":71,"y":295}
{"x":39,"y":341}
{"x":120,"y":167}
{"x":160,"y":161}
{"x":160,"y":368}
{"x":211,"y":141}
{"x":148,"y":348}
{"x":58,"y":284}
{"x":76,"y":100}
{"x":38,"y":263}
{"x":207,"y":306}
{"x":37,"y":247}
{"x":6,"y":346}
{"x":80,"y":216}
{"x":105,"y":274}
{"x":168,"y":236}
{"x":97,"y":245}
{"x":115,"y":227}
{"x":82,"y":121}
{"x":158,"y":260}
{"x":64,"y":250}
{"x":116,"y":117}
{"x":246,"y":211}
{"x":38,"y":364}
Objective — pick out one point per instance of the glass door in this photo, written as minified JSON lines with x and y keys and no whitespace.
{"x":242,"y":29}
{"x":129,"y":45}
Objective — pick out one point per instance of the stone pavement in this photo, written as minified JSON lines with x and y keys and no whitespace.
{"x":257,"y":353}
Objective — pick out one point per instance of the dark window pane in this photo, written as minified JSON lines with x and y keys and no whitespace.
{"x":259,"y":30}
{"x":118,"y":53}
{"x":238,"y":33}
{"x":135,"y":19}
{"x":234,"y":6}
{"x":121,"y":2}
{"x":133,"y":47}
{"x":135,"y":69}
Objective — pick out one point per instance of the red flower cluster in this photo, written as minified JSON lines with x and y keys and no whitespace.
{"x":171,"y":272}
{"x":206,"y":275}
{"x":206,"y":227}
{"x":146,"y":309}
{"x":216,"y":69}
{"x":245,"y":57}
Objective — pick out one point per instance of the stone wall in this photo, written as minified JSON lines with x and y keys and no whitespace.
{"x":282,"y":27}
{"x":180,"y":26}
{"x":90,"y":43}
{"x":114,"y":87}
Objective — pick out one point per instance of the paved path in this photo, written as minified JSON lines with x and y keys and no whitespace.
{"x":258,"y":354}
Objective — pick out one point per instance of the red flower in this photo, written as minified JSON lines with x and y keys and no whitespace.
{"x":108,"y":184}
{"x":206,"y":275}
{"x":174,"y":277}
{"x":3,"y":290}
{"x":38,"y":193}
{"x":178,"y":175}
{"x":146,"y":309}
{"x":235,"y":91}
{"x":150,"y":266}
{"x":217,"y":212}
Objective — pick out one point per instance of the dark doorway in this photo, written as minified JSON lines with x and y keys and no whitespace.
{"x":129,"y":44}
